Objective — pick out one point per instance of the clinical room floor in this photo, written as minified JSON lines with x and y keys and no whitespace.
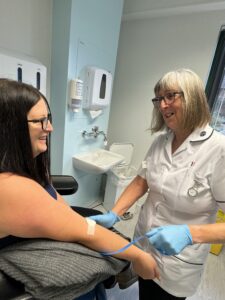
{"x":211,"y":288}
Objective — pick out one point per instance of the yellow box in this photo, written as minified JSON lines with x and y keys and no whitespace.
{"x":216,"y":248}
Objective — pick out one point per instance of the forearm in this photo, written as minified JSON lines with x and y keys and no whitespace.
{"x":66,"y":225}
{"x":105,"y":240}
{"x":209,"y":233}
{"x":62,"y":223}
{"x":136,"y":189}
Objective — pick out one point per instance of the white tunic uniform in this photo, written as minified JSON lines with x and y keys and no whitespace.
{"x":186,"y":187}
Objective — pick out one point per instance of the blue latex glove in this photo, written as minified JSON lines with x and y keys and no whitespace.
{"x":170,"y":239}
{"x":107,"y":220}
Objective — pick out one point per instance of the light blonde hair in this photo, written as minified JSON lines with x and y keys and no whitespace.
{"x":195,"y":112}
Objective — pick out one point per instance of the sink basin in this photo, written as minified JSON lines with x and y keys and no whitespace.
{"x":97,"y":162}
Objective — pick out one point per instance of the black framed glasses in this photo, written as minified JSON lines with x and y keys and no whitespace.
{"x":168,"y":98}
{"x":44,"y":121}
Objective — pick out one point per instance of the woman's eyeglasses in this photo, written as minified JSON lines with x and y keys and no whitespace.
{"x":44,"y":121}
{"x":168,"y":98}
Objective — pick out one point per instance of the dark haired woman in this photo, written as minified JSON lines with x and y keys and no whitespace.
{"x":30,"y":207}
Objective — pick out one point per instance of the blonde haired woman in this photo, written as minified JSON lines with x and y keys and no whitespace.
{"x":184,"y":175}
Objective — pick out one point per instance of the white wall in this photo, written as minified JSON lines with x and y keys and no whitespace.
{"x":25,"y":27}
{"x":147,"y":49}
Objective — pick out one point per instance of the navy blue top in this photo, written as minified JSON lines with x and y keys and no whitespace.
{"x":10,"y":239}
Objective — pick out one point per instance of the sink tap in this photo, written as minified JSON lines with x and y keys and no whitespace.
{"x":95,"y":133}
{"x":104,"y":137}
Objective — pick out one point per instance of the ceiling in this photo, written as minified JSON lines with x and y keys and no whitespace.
{"x":137,"y":9}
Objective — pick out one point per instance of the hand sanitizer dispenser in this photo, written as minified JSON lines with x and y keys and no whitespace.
{"x":97,"y":88}
{"x":76,"y":94}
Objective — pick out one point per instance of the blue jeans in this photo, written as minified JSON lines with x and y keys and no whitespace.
{"x":97,"y":293}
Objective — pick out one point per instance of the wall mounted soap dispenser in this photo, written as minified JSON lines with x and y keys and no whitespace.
{"x":97,"y":88}
{"x":76,"y":94}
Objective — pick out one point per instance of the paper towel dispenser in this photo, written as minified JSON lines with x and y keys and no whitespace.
{"x":97,"y":88}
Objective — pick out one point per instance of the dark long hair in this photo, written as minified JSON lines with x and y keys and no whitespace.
{"x":16,"y":156}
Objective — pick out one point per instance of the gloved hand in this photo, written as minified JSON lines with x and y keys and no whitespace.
{"x":170,"y":239}
{"x":107,"y":220}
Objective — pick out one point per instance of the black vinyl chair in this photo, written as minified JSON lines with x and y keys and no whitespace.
{"x":64,"y":184}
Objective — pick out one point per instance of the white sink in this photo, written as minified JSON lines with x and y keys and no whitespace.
{"x":97,"y":162}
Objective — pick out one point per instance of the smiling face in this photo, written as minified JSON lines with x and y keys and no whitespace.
{"x":188,"y":111}
{"x":172,"y":113}
{"x":38,"y":136}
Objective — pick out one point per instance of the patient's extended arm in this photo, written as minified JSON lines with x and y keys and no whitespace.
{"x":27,"y":210}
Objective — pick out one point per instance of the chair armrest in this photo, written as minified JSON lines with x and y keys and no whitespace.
{"x":64,"y":184}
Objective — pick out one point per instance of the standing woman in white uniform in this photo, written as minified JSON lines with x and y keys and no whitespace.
{"x":184,"y":175}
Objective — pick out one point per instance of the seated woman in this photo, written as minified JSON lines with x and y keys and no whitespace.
{"x":30,"y":207}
